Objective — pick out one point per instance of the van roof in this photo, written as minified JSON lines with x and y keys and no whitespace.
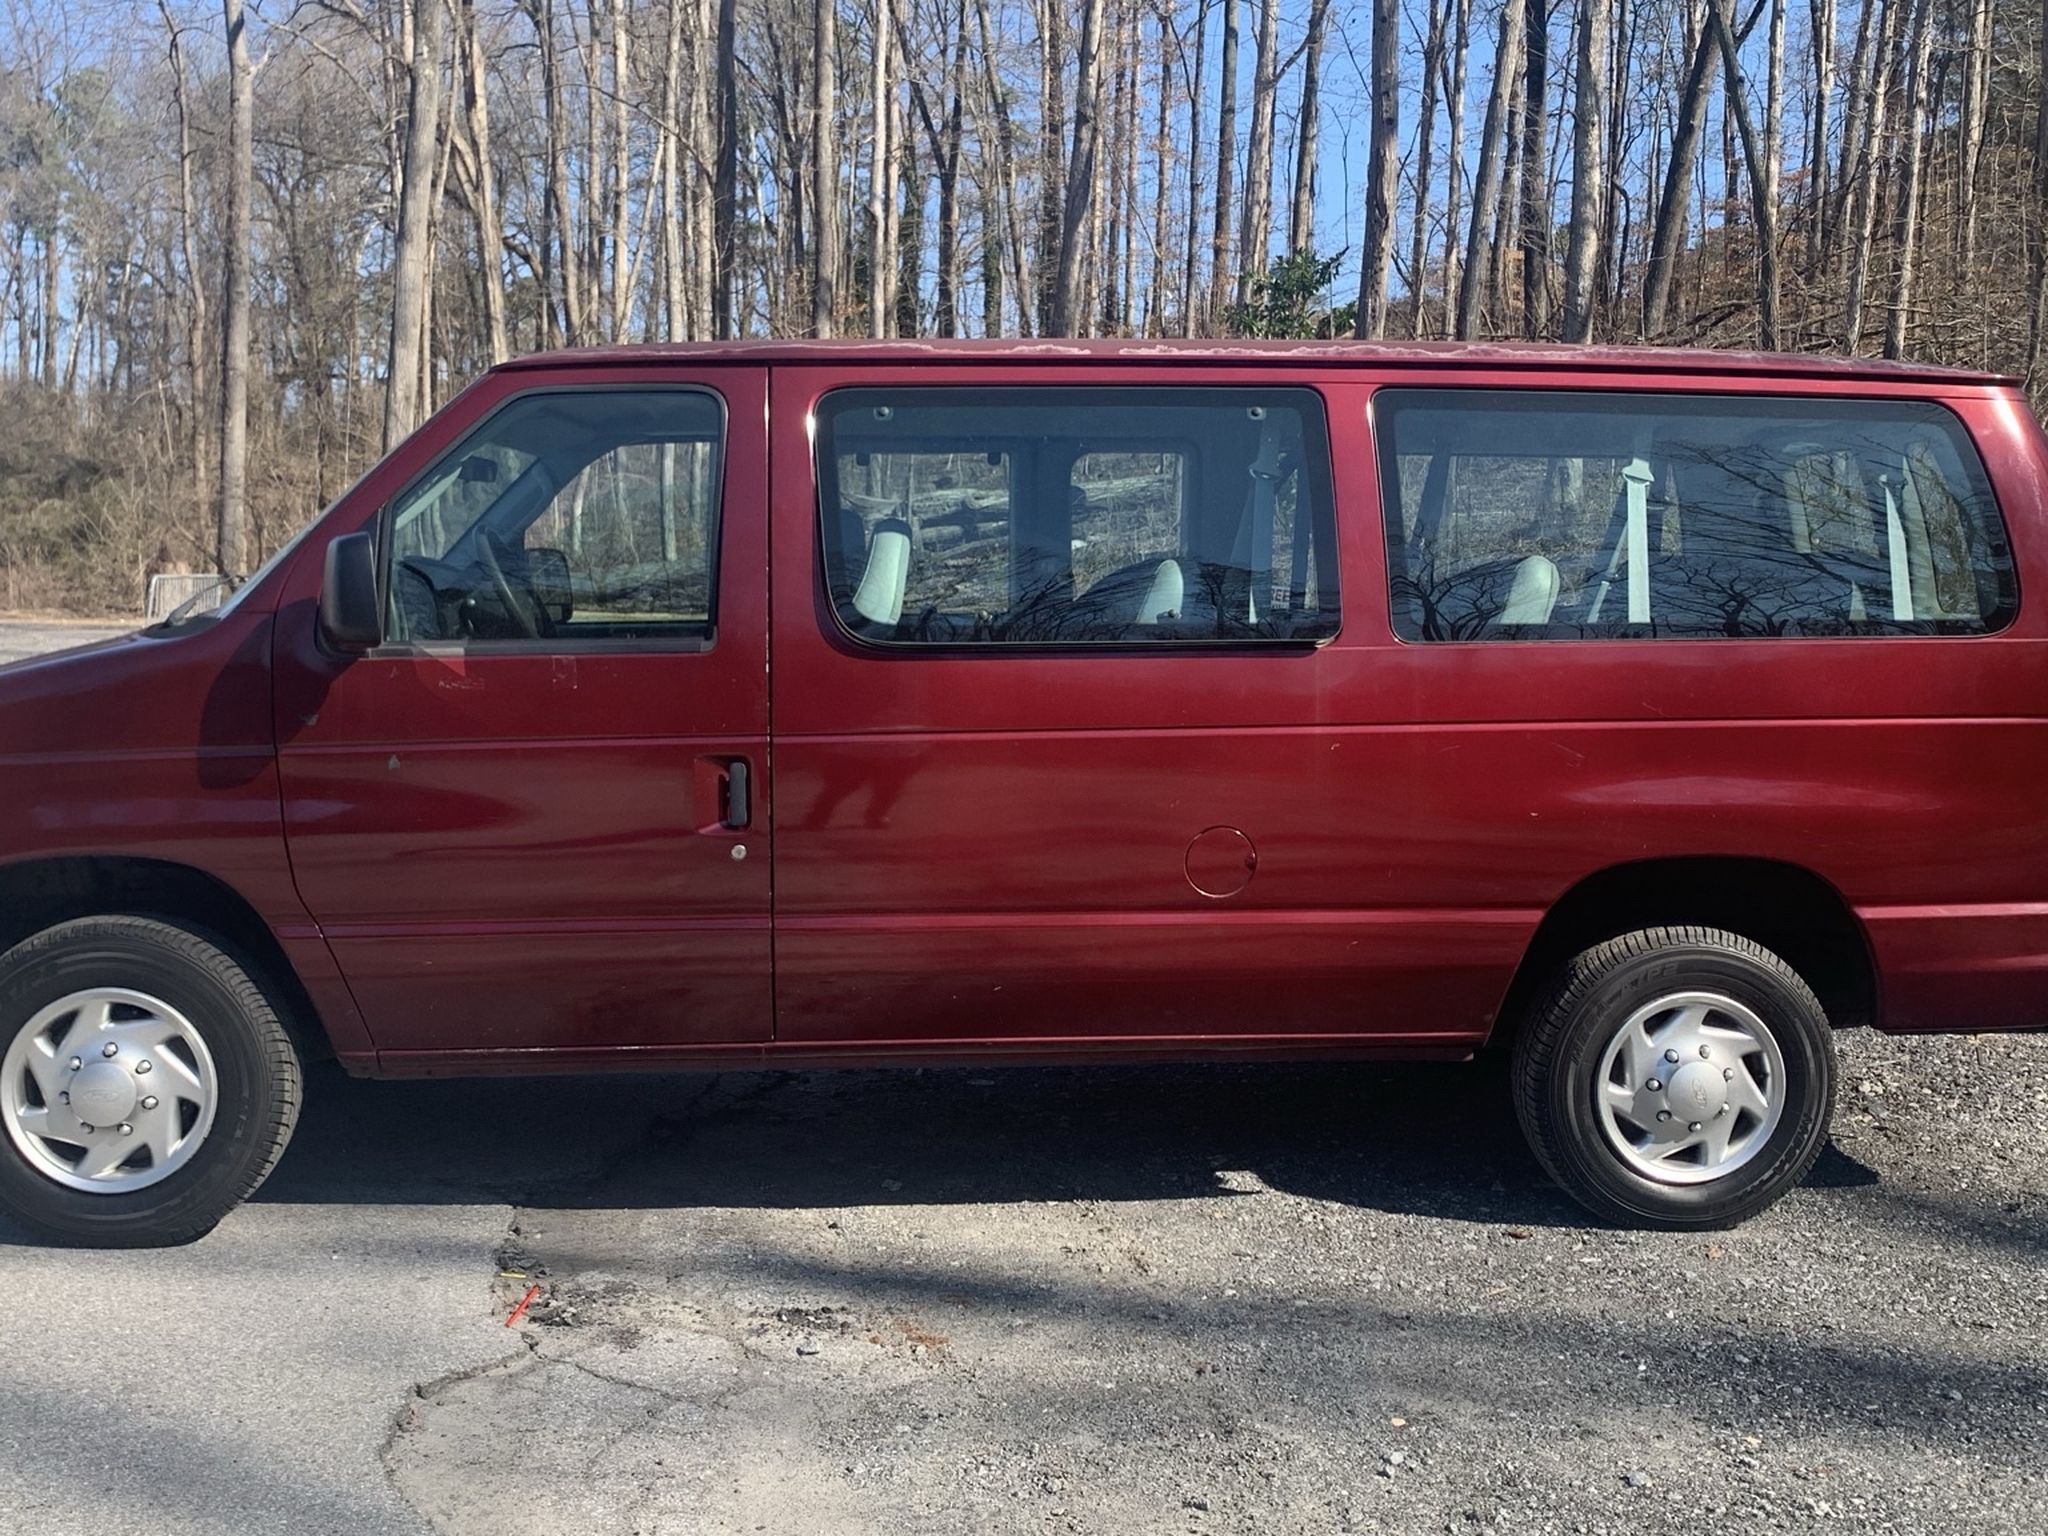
{"x":1380,"y":354}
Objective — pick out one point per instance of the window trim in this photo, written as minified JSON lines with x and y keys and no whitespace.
{"x":555,"y":645}
{"x":1315,"y":422}
{"x":1384,"y":450}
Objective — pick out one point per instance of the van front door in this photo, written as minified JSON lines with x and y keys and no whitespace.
{"x":534,"y":819}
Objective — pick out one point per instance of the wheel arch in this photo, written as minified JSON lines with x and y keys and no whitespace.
{"x":37,"y":893}
{"x":1785,"y":907}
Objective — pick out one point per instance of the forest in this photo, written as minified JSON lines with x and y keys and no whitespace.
{"x":244,"y":248}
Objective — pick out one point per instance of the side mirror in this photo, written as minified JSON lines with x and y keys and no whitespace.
{"x":351,"y":616}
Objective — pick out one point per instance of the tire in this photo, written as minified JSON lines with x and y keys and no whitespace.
{"x":162,"y":1007}
{"x":1608,"y":1111}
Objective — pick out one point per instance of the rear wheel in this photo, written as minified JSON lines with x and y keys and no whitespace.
{"x":147,"y":1085}
{"x":1676,"y":1077}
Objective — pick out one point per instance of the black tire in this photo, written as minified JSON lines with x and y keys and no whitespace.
{"x":1557,"y":1067}
{"x":253,"y":1058}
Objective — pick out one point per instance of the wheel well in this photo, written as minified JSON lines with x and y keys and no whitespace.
{"x":1789,"y":910}
{"x":39,"y":893}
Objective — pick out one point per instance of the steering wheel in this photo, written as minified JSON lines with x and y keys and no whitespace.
{"x":491,"y":554}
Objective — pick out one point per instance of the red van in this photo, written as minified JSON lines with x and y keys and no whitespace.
{"x":1649,"y":714}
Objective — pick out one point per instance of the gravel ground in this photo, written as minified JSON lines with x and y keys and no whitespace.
{"x":1215,"y":1299}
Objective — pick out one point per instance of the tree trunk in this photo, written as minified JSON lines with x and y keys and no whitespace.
{"x":1589,"y":174}
{"x":1006,"y":177}
{"x":1454,"y":156}
{"x":1863,"y":226}
{"x":2038,"y":295}
{"x":1976,"y":96}
{"x":1226,"y":165}
{"x":1818,"y":170}
{"x":1765,"y":212}
{"x":725,"y":319}
{"x":1066,"y":304}
{"x":1301,"y":216}
{"x":415,"y":225}
{"x":1383,"y":169}
{"x":1486,"y":183}
{"x":824,"y":168}
{"x":881,"y":176}
{"x":477,"y":177}
{"x":1536,"y":200}
{"x":1191,"y":272}
{"x":675,"y":323}
{"x":1162,"y":150}
{"x":1425,"y":169}
{"x":1919,"y":47}
{"x":195,"y":286}
{"x":1667,"y":235}
{"x":232,"y":516}
{"x":1255,"y":232}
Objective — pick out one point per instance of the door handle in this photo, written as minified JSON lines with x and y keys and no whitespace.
{"x":739,"y":798}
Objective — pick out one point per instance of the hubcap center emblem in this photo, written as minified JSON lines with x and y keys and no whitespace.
{"x":103,"y":1094}
{"x":1697,"y":1091}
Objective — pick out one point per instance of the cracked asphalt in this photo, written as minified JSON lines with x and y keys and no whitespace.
{"x":1200,"y":1299}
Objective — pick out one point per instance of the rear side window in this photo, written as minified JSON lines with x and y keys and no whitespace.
{"x":974,"y":517}
{"x":1528,"y":515}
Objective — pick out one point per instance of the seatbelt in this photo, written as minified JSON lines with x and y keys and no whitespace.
{"x":1254,"y":552}
{"x":1637,"y":478}
{"x":1895,"y":551}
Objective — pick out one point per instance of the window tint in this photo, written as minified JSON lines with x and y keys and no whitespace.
{"x":1078,"y":516}
{"x":570,"y":517}
{"x":1523,"y":515}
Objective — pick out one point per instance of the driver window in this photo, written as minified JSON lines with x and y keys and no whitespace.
{"x":571,"y":517}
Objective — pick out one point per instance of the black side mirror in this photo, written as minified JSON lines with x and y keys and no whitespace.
{"x":351,"y":616}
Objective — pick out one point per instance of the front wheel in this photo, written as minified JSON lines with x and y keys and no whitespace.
{"x":147,"y":1085}
{"x":1676,"y":1077}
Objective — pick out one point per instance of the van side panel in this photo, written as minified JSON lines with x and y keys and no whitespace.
{"x":993,"y":847}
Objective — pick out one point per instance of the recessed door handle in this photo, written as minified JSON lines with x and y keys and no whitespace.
{"x":739,"y":798}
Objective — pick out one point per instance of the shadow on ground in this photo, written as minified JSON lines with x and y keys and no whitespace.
{"x":1426,"y":1139}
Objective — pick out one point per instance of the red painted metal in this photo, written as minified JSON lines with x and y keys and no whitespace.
{"x":515,"y":861}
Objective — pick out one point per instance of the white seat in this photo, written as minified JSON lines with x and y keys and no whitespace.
{"x":879,"y":597}
{"x":1163,"y":598}
{"x":1533,"y":593}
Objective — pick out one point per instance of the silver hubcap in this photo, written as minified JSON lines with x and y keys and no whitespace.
{"x":108,"y":1091}
{"x":1690,"y":1088}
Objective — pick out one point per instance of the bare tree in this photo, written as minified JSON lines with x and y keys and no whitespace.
{"x":1226,"y":162}
{"x":1589,"y":175}
{"x":1486,"y":183}
{"x":232,"y":521}
{"x":1536,"y":193}
{"x":1667,"y":235}
{"x":824,"y":168}
{"x":1066,"y":304}
{"x":1920,"y":48}
{"x":1760,"y":180}
{"x":1301,"y":216}
{"x":1383,"y":169}
{"x":1255,"y":233}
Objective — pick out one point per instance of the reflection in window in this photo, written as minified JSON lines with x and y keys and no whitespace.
{"x":1533,"y":515}
{"x":568,"y":517}
{"x":1091,"y":516}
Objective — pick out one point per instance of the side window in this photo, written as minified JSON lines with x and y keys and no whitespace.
{"x":1077,"y":516}
{"x":1539,"y":515}
{"x":572,"y":517}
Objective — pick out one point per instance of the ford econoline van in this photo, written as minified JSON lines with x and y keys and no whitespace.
{"x":1648,"y":715}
